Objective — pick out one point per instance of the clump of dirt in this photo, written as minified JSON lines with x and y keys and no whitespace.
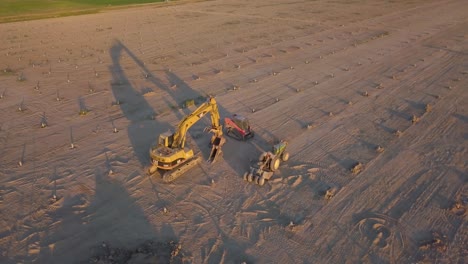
{"x":459,"y":206}
{"x":398,"y":133}
{"x":379,"y":149}
{"x":357,"y":168}
{"x":330,"y":193}
{"x":147,"y":252}
{"x":428,"y":108}
{"x":415,"y":119}
{"x":438,"y":242}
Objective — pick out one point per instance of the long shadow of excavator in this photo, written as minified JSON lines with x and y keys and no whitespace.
{"x":143,"y":132}
{"x":83,"y":221}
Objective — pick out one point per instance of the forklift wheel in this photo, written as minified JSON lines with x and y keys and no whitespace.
{"x":245,"y":176}
{"x":261,"y":181}
{"x":275,"y":163}
{"x":256,"y":179}
{"x":285,"y":156}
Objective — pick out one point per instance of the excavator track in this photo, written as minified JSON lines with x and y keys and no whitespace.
{"x":170,"y":176}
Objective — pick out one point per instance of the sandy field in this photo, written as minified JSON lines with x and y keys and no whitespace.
{"x":381,"y":83}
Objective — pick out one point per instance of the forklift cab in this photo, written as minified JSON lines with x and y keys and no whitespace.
{"x":241,"y":121}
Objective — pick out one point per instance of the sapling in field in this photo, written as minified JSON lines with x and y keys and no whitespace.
{"x":83,"y":109}
{"x":72,"y":145}
{"x":21,"y":77}
{"x":115,"y":130}
{"x":58,"y":98}
{"x":21,"y":161}
{"x":43,"y":120}
{"x":90,"y":88}
{"x":21,"y":107}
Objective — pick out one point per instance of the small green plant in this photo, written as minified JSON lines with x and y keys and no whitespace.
{"x":189,"y":102}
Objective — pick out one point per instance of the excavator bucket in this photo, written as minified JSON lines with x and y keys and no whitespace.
{"x":216,"y":144}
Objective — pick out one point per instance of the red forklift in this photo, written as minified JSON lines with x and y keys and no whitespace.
{"x":238,"y":127}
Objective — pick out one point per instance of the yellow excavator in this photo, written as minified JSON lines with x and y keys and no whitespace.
{"x":173,"y":157}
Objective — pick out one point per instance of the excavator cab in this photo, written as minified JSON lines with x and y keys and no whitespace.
{"x":166,"y":139}
{"x":238,"y":127}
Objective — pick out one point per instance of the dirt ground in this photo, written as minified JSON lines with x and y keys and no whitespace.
{"x":337,"y":79}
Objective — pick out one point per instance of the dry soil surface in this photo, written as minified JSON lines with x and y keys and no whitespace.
{"x":337,"y":79}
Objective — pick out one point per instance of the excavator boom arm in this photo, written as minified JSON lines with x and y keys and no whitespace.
{"x":208,"y":107}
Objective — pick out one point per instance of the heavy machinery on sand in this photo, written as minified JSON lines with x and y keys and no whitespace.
{"x":238,"y":127}
{"x":173,"y":157}
{"x":267,"y":164}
